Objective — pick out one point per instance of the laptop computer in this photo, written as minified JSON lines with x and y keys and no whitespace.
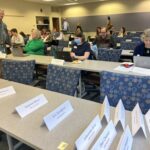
{"x":64,"y":55}
{"x":142,"y":61}
{"x":17,"y":50}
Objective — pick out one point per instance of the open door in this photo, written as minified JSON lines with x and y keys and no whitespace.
{"x":55,"y":22}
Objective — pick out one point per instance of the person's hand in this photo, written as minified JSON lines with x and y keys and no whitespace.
{"x":72,"y":55}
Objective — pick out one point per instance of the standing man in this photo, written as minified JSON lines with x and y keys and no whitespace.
{"x":65,"y":26}
{"x":4,"y":37}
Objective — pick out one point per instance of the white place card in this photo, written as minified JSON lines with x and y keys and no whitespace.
{"x":59,"y":62}
{"x":147,"y":118}
{"x":120,"y":114}
{"x":105,"y":112}
{"x":7,"y":91}
{"x":89,"y":134}
{"x":126,"y":140}
{"x":106,"y":138}
{"x":31,"y":105}
{"x":137,"y":121}
{"x":59,"y":114}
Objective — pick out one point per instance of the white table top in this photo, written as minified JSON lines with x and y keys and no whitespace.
{"x":88,"y":65}
{"x":29,"y":131}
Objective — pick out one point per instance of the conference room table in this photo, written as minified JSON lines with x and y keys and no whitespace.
{"x":29,"y":130}
{"x":87,"y":65}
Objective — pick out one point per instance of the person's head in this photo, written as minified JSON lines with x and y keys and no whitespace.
{"x":79,"y":38}
{"x":1,"y":14}
{"x":103,"y":32}
{"x":79,"y":29}
{"x":14,"y":32}
{"x":22,"y":33}
{"x":146,"y":38}
{"x":108,"y":17}
{"x":123,"y":30}
{"x":98,"y":30}
{"x":36,"y":34}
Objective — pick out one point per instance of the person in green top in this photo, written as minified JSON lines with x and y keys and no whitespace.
{"x":35,"y":45}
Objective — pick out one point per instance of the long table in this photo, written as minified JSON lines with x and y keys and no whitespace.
{"x":29,"y":130}
{"x":87,"y":65}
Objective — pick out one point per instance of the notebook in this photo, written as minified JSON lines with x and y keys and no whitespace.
{"x":142,"y":61}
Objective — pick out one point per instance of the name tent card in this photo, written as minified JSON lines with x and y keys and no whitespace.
{"x":59,"y":114}
{"x":137,"y":121}
{"x":89,"y":134}
{"x":120,"y":115}
{"x":126,"y":140}
{"x":106,"y":138}
{"x":7,"y":91}
{"x":105,"y":112}
{"x":147,"y":118}
{"x":59,"y":62}
{"x":31,"y":105}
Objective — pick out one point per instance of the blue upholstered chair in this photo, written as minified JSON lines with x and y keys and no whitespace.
{"x":128,"y":45}
{"x":62,"y":80}
{"x":109,"y":54}
{"x":130,"y":88}
{"x":18,"y":71}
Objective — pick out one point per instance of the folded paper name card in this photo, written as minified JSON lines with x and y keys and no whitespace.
{"x":7,"y":91}
{"x":147,"y":118}
{"x":138,"y":121}
{"x":106,"y":138}
{"x":89,"y":134}
{"x":126,"y":140}
{"x":119,"y":118}
{"x":59,"y":114}
{"x":59,"y":62}
{"x":105,"y":111}
{"x":31,"y":105}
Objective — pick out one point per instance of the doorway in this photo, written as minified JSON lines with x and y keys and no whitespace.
{"x":55,"y":22}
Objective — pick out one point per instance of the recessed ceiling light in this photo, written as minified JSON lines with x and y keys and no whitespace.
{"x":71,"y":3}
{"x":48,"y":0}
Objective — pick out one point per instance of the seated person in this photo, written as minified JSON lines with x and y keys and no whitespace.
{"x":122,"y":32}
{"x":16,"y":38}
{"x":104,"y":40}
{"x":143,"y":49}
{"x":78,"y":30}
{"x":35,"y":45}
{"x":81,"y":49}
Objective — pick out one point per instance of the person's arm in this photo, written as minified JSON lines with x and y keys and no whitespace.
{"x":30,"y":46}
{"x":84,"y":57}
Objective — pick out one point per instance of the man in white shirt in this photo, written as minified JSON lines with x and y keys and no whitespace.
{"x":65,"y":26}
{"x":16,"y":38}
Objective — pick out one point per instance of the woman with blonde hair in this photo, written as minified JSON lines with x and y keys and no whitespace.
{"x":143,"y":49}
{"x":35,"y":45}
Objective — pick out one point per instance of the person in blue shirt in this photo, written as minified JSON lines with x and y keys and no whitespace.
{"x":81,"y":49}
{"x":143,"y":49}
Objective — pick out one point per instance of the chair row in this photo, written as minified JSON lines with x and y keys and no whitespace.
{"x":130,"y":88}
